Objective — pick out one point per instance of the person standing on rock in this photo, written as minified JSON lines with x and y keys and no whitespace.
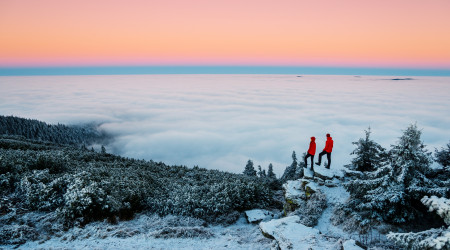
{"x":311,"y":152}
{"x":327,"y":150}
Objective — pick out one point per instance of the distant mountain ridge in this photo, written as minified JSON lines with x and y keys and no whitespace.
{"x":59,"y":133}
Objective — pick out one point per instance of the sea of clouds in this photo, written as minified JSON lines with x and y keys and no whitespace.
{"x":221,"y":121}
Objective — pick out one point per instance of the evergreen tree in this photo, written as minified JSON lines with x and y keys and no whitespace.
{"x":291,"y":173}
{"x":249,"y":169}
{"x":301,"y":164}
{"x":436,"y":238}
{"x":369,"y":155}
{"x":261,"y":172}
{"x":443,"y":156}
{"x":270,"y":172}
{"x":391,"y":192}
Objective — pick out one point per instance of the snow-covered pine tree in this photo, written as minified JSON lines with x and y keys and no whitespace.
{"x":270,"y":172}
{"x":369,"y":155}
{"x":443,"y":156}
{"x":249,"y":169}
{"x":291,"y":173}
{"x":411,"y":164}
{"x":437,"y":238}
{"x":441,"y":176}
{"x":261,"y":172}
{"x":389,"y":192}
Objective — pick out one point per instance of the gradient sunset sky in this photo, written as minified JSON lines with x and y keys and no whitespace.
{"x":345,"y":33}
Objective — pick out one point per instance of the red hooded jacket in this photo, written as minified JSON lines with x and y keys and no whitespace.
{"x":312,"y":146}
{"x":328,"y":145}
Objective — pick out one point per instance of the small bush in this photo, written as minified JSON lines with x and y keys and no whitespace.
{"x":17,"y":234}
{"x":183,"y":232}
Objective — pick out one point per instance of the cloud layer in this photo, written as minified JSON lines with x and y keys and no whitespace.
{"x":221,"y":121}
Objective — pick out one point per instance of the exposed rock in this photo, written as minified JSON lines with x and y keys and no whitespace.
{"x":319,"y":181}
{"x":328,"y":174}
{"x":311,"y":188}
{"x":294,"y":192}
{"x":308,"y":174}
{"x":330,"y":183}
{"x":258,"y":215}
{"x":290,"y":234}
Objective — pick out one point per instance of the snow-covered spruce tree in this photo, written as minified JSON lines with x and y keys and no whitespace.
{"x":249,"y":169}
{"x":443,"y":156}
{"x":270,"y":172}
{"x":391,"y":192}
{"x":261,"y":172}
{"x":369,"y":155}
{"x":438,"y":238}
{"x":291,"y":172}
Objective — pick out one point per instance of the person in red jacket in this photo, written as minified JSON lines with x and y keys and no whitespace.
{"x":327,"y":150}
{"x":311,"y":152}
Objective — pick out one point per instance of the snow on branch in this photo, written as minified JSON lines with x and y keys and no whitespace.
{"x":440,"y":205}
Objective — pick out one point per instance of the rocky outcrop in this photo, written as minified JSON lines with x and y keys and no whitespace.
{"x":291,"y":234}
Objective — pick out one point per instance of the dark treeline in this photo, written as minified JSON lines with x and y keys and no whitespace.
{"x":59,"y":133}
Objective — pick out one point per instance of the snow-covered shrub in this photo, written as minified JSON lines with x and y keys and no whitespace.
{"x":311,"y":210}
{"x":429,"y":239}
{"x":85,"y":198}
{"x":88,"y":185}
{"x":55,"y":163}
{"x":6,"y":183}
{"x":183,"y":232}
{"x":17,"y":234}
{"x":41,"y":192}
{"x":213,"y":197}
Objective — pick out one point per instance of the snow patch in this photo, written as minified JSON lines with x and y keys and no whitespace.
{"x":351,"y":245}
{"x":328,"y":174}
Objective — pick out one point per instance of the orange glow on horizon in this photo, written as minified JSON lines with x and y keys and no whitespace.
{"x":398,"y":33}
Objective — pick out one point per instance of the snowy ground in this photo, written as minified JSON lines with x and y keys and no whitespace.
{"x":153,"y":232}
{"x":147,"y":231}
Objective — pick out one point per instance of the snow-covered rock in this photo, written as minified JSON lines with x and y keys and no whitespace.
{"x":290,"y":234}
{"x":351,"y":245}
{"x":257,"y":215}
{"x":294,"y":192}
{"x":328,"y":174}
{"x":308,"y":173}
{"x":330,"y":183}
{"x":311,"y":188}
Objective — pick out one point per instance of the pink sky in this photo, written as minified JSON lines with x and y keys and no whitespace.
{"x":386,"y":33}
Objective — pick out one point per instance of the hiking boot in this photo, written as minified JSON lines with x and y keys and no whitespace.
{"x":327,"y":167}
{"x":312,"y":168}
{"x":318,"y":163}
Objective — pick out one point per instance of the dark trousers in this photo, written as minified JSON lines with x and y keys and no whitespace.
{"x":312,"y":160}
{"x":328,"y":158}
